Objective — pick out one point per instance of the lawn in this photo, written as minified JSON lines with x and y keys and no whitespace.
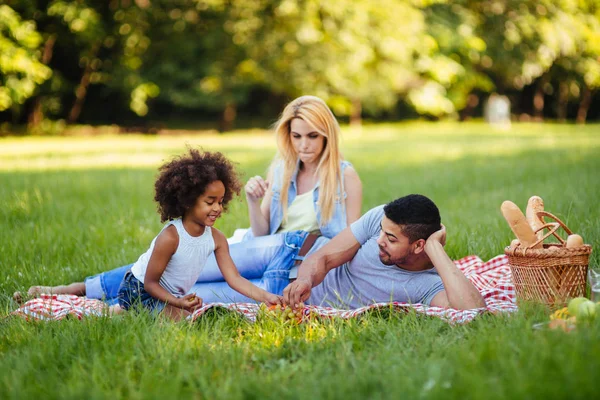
{"x":73,"y":206}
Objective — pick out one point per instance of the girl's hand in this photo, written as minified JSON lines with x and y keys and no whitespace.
{"x":272,"y":299}
{"x":189,"y":302}
{"x":256,"y":188}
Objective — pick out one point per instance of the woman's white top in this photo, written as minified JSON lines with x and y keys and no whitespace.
{"x":185,"y":265}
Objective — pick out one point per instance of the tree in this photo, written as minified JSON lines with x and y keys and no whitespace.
{"x":350,"y":53}
{"x":21,"y":70}
{"x":450,"y":62}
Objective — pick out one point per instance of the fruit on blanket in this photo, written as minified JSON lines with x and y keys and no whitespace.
{"x":574,"y":304}
{"x":534,"y":205}
{"x":518,"y":223}
{"x":586,"y":311}
{"x":562,"y":324}
{"x":562,"y":313}
{"x":284,"y":313}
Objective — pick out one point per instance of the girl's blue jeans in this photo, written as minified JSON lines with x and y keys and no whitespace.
{"x":265,"y":261}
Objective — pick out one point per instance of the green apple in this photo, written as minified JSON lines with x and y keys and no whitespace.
{"x":586,"y":311}
{"x":574,"y":305}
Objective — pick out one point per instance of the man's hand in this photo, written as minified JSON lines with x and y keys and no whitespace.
{"x":438,"y":236}
{"x":189,"y":302}
{"x":297,"y":292}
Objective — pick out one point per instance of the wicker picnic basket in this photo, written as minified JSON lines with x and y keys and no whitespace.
{"x":551,"y":275}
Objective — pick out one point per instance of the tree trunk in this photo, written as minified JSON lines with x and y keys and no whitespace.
{"x":82,"y":88}
{"x":563,"y":101}
{"x":467,"y":112}
{"x":538,"y":100}
{"x":584,"y":105}
{"x":228,"y":117}
{"x":36,"y":116}
{"x":356,"y":113}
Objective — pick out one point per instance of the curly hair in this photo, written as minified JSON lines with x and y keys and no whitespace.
{"x":418,"y":216}
{"x":185,"y":178}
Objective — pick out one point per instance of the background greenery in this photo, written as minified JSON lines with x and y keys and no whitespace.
{"x":150,"y":62}
{"x":71,"y":207}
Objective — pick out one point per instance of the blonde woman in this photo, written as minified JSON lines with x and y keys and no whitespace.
{"x":310,"y":191}
{"x":309,"y":187}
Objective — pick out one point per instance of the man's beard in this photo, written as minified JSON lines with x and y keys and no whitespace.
{"x":387,"y":260}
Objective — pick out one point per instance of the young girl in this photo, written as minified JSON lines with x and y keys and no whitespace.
{"x":192,"y":191}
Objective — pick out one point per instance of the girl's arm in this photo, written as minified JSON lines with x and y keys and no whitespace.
{"x":232,"y":275}
{"x":259,"y":212}
{"x":164,"y":248}
{"x":353,"y":188}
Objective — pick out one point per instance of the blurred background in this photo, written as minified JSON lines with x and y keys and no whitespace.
{"x":147,"y":65}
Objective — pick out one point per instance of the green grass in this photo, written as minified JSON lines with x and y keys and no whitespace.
{"x":71,"y":207}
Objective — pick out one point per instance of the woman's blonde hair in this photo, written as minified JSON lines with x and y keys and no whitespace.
{"x":315,"y":113}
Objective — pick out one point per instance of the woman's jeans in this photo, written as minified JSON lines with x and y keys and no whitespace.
{"x":265,"y":261}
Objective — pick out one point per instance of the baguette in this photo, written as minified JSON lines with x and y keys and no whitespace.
{"x":574,"y":240}
{"x":518,"y":224}
{"x":534,"y":205}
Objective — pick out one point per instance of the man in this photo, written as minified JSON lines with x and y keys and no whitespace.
{"x":393,"y":253}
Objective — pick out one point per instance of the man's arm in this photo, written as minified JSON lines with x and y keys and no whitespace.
{"x":341,"y":249}
{"x":459,"y":292}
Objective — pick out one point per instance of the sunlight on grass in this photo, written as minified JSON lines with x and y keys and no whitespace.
{"x":418,"y":143}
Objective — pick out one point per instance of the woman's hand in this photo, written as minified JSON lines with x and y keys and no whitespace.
{"x":256,"y":188}
{"x":189,"y":302}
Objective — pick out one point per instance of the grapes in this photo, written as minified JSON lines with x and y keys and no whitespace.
{"x":282,"y":313}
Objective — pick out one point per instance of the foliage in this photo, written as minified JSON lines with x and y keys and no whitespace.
{"x":20,"y":68}
{"x":150,"y":58}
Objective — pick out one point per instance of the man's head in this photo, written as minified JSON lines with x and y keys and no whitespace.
{"x":407,"y":224}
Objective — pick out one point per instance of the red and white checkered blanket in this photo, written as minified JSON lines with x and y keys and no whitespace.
{"x":492,"y":278}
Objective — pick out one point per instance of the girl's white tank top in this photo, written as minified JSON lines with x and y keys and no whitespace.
{"x":186,"y":264}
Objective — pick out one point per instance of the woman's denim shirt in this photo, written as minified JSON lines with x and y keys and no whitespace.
{"x":335,"y":225}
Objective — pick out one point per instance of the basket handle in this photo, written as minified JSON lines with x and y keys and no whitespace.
{"x":552,"y":228}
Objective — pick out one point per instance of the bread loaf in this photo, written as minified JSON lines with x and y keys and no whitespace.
{"x":534,"y":205}
{"x":518,"y":224}
{"x":574,"y":240}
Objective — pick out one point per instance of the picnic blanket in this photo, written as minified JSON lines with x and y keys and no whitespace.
{"x":493,"y":279}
